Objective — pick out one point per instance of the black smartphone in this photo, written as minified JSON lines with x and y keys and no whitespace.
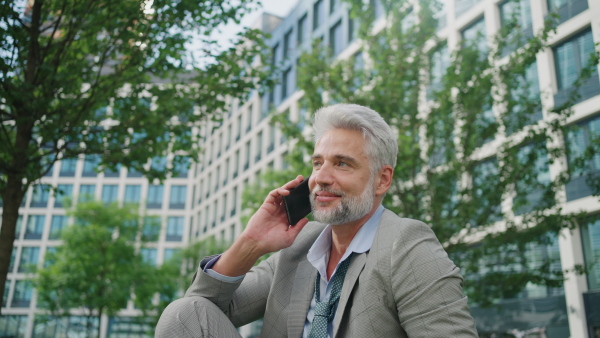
{"x":297,"y":203}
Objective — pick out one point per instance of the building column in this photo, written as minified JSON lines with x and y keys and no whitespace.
{"x":575,"y":285}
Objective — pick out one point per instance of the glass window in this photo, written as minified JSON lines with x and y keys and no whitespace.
{"x":475,"y":35}
{"x":249,"y":118}
{"x":570,"y":58}
{"x":110,"y":193}
{"x":440,"y":61}
{"x":13,"y":325}
{"x":22,"y":294}
{"x":519,"y":10}
{"x":29,"y":258}
{"x":87,"y":192}
{"x":528,"y":105}
{"x":174,"y":229}
{"x":318,"y":14}
{"x":181,"y":164}
{"x":13,"y":256}
{"x":485,"y":180}
{"x":302,"y":29}
{"x":462,"y":6}
{"x":236,"y":163}
{"x":333,"y":4}
{"x":336,"y":40}
{"x":440,"y":14}
{"x":151,"y":228}
{"x":68,"y":167}
{"x":58,"y":223}
{"x":155,"y":197}
{"x":590,"y":235}
{"x":178,"y":197}
{"x":580,"y":138}
{"x":352,"y":31}
{"x":286,"y":83}
{"x":272,"y":131}
{"x":19,"y":227}
{"x":234,"y":201}
{"x":41,"y":193}
{"x":533,"y":180}
{"x":567,"y":9}
{"x":113,"y":172}
{"x":224,"y":208}
{"x":170,"y":253}
{"x":90,"y":165}
{"x":377,"y":8}
{"x":63,"y":193}
{"x":238,"y":133}
{"x":148,"y":255}
{"x":247,"y":155}
{"x":35,"y":226}
{"x":287,"y":44}
{"x":259,"y":141}
{"x":5,"y":298}
{"x":47,"y":259}
{"x":132,"y":194}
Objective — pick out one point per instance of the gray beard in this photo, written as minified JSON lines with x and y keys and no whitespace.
{"x":349,"y":210}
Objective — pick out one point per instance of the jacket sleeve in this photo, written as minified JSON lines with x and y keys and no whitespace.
{"x":243,"y":301}
{"x":427,"y":286}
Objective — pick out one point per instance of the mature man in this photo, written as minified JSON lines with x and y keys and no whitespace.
{"x":359,"y":271}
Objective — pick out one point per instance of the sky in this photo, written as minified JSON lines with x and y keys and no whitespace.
{"x":277,"y":7}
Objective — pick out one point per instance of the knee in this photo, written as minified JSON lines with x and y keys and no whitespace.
{"x":192,"y":317}
{"x":180,"y":315}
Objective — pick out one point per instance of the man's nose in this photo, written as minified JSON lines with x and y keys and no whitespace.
{"x":324,"y":176}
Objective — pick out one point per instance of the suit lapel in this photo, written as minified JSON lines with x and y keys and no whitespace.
{"x":302,"y":293}
{"x":354,"y":270}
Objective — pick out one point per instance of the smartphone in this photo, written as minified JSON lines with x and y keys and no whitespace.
{"x":297,"y":203}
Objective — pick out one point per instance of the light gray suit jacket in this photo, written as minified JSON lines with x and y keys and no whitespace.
{"x":405,"y":286}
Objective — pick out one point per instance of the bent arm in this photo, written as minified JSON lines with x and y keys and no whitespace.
{"x":428,"y":287}
{"x":243,"y":301}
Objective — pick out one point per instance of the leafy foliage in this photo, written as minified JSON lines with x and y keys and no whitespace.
{"x":114,"y":79}
{"x":99,"y":266}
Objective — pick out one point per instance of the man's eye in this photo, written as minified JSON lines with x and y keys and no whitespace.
{"x":343,"y":164}
{"x":316,"y":164}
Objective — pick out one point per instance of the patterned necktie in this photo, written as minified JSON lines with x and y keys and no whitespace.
{"x":324,"y":310}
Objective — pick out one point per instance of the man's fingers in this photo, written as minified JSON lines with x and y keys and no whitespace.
{"x":275,"y":195}
{"x":293,"y":183}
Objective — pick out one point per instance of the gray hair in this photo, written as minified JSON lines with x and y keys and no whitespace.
{"x":381,"y":144}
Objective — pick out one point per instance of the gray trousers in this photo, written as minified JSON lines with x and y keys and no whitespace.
{"x":194,"y":317}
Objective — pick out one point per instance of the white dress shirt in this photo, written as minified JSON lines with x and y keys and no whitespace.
{"x":318,"y":256}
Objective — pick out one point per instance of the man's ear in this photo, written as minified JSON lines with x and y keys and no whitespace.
{"x":384,"y":180}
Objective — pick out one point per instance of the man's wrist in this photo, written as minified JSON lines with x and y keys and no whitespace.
{"x":239,"y":258}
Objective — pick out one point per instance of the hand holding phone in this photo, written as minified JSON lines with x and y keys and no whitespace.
{"x":297,"y":203}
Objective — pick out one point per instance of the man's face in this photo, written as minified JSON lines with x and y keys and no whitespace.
{"x":341,"y":184}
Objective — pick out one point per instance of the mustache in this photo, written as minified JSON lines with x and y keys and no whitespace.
{"x":318,"y":188}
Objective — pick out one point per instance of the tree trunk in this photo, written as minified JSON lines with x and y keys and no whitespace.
{"x":13,"y":194}
{"x":99,"y":322}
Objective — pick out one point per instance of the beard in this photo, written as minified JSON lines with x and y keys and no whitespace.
{"x":350,"y":208}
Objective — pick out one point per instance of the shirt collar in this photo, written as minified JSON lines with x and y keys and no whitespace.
{"x":318,"y":255}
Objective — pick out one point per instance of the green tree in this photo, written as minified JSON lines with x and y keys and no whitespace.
{"x":112,"y":79}
{"x":443,"y":119}
{"x":98,"y":266}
